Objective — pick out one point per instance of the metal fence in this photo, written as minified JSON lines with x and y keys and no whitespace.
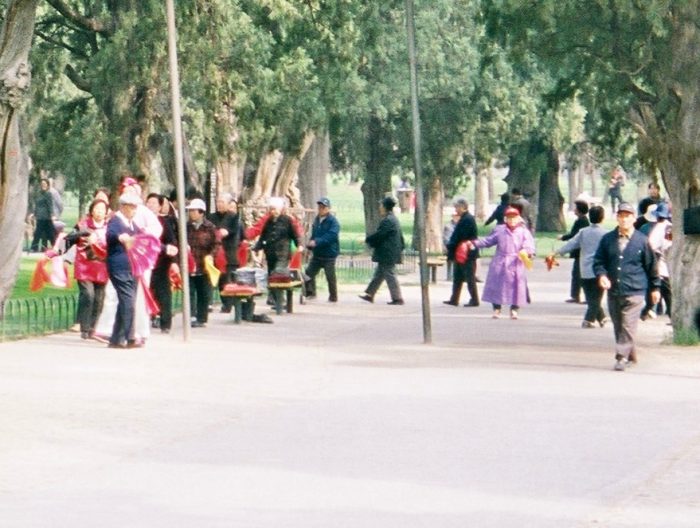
{"x":20,"y":318}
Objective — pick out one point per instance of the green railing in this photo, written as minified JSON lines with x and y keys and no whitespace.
{"x":21,"y":318}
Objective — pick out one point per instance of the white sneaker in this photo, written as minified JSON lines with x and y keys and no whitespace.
{"x":620,"y":365}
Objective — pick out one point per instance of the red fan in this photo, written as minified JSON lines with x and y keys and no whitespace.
{"x":144,"y":253}
{"x":295,"y":261}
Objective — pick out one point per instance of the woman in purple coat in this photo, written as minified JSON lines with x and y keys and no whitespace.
{"x":506,"y":282}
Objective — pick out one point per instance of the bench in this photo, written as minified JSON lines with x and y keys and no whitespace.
{"x":433,"y":264}
{"x":238,"y":299}
{"x":277,"y":289}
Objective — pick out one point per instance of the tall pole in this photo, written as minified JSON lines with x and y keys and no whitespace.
{"x":420,"y":195}
{"x":179,"y":166}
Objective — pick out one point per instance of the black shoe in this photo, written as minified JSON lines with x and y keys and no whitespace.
{"x":134,"y":344}
{"x":451,"y":303}
{"x":572,"y":301}
{"x":115,"y":345}
{"x":366,"y":298}
{"x":333,"y":299}
{"x":471,"y":304}
{"x":198,"y":324}
{"x":225,"y":309}
{"x":84,"y":335}
{"x":398,"y":302}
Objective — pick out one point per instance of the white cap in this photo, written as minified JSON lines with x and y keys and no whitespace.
{"x":276,"y":202}
{"x":129,"y":198}
{"x":197,"y":203}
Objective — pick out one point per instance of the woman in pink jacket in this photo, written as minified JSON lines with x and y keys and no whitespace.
{"x":506,"y":282}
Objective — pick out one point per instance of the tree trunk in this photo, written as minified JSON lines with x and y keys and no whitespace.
{"x":257,"y":192}
{"x":314,"y":170}
{"x":673,"y":145}
{"x":481,"y":191}
{"x":378,"y":168}
{"x":572,"y":178}
{"x":15,"y":43}
{"x":229,"y":172}
{"x":550,"y":216}
{"x":286,"y":183}
{"x":434,"y":203}
{"x":526,"y":162}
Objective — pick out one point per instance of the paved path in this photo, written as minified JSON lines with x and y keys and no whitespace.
{"x":339,"y":416}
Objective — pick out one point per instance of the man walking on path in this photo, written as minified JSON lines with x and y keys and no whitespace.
{"x":464,"y":271}
{"x":625,"y":266}
{"x":325,"y":246}
{"x":387,"y":242}
{"x":581,"y":221}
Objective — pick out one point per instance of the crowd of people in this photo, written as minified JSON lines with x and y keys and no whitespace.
{"x":126,"y":261}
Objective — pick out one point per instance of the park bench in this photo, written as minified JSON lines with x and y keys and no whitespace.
{"x":433,"y":264}
{"x":238,"y":299}
{"x":278,"y":291}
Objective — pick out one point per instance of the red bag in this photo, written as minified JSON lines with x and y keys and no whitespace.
{"x":220,"y":259}
{"x":462,"y":252}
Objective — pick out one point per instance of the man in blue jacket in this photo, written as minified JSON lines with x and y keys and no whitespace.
{"x":325,"y":247}
{"x":625,"y":266}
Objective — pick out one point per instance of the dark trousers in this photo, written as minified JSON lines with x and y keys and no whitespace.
{"x":90,"y":301}
{"x":464,"y":273}
{"x":200,"y":296}
{"x":385,"y":272}
{"x":125,"y":285}
{"x":576,"y":280}
{"x":594,"y":299}
{"x":160,"y":286}
{"x":665,"y":291}
{"x":43,"y":232}
{"x":624,"y":312}
{"x":328,"y":267}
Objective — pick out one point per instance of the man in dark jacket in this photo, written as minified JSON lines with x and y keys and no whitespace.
{"x":229,"y":233}
{"x":44,"y":231}
{"x":463,"y":271}
{"x":387,"y":242}
{"x":581,"y":212}
{"x":325,"y":247}
{"x":201,"y":238}
{"x":277,"y":234}
{"x":120,"y":239}
{"x":625,"y":266}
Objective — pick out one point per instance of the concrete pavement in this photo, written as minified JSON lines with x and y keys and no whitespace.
{"x":339,"y":416}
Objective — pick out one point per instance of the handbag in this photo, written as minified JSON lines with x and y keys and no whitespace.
{"x":462,"y":252}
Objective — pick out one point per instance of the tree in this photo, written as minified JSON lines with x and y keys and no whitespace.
{"x":15,"y":43}
{"x":636,"y":64}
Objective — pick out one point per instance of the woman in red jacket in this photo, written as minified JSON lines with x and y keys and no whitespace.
{"x":90,"y":267}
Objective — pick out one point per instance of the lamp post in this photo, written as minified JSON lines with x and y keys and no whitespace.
{"x":420,"y":196}
{"x":179,"y":167}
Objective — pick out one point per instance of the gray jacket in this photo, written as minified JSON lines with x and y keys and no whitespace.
{"x":587,"y":240}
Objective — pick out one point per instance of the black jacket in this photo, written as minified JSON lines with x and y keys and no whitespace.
{"x":232,"y":223}
{"x":632,"y":272}
{"x":387,"y":241}
{"x":464,"y":230}
{"x":580,"y":223}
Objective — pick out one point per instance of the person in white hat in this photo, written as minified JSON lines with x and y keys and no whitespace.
{"x":201,"y":239}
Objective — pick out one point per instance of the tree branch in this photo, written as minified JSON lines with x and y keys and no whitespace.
{"x":89,"y":23}
{"x":79,"y":81}
{"x":59,"y":43}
